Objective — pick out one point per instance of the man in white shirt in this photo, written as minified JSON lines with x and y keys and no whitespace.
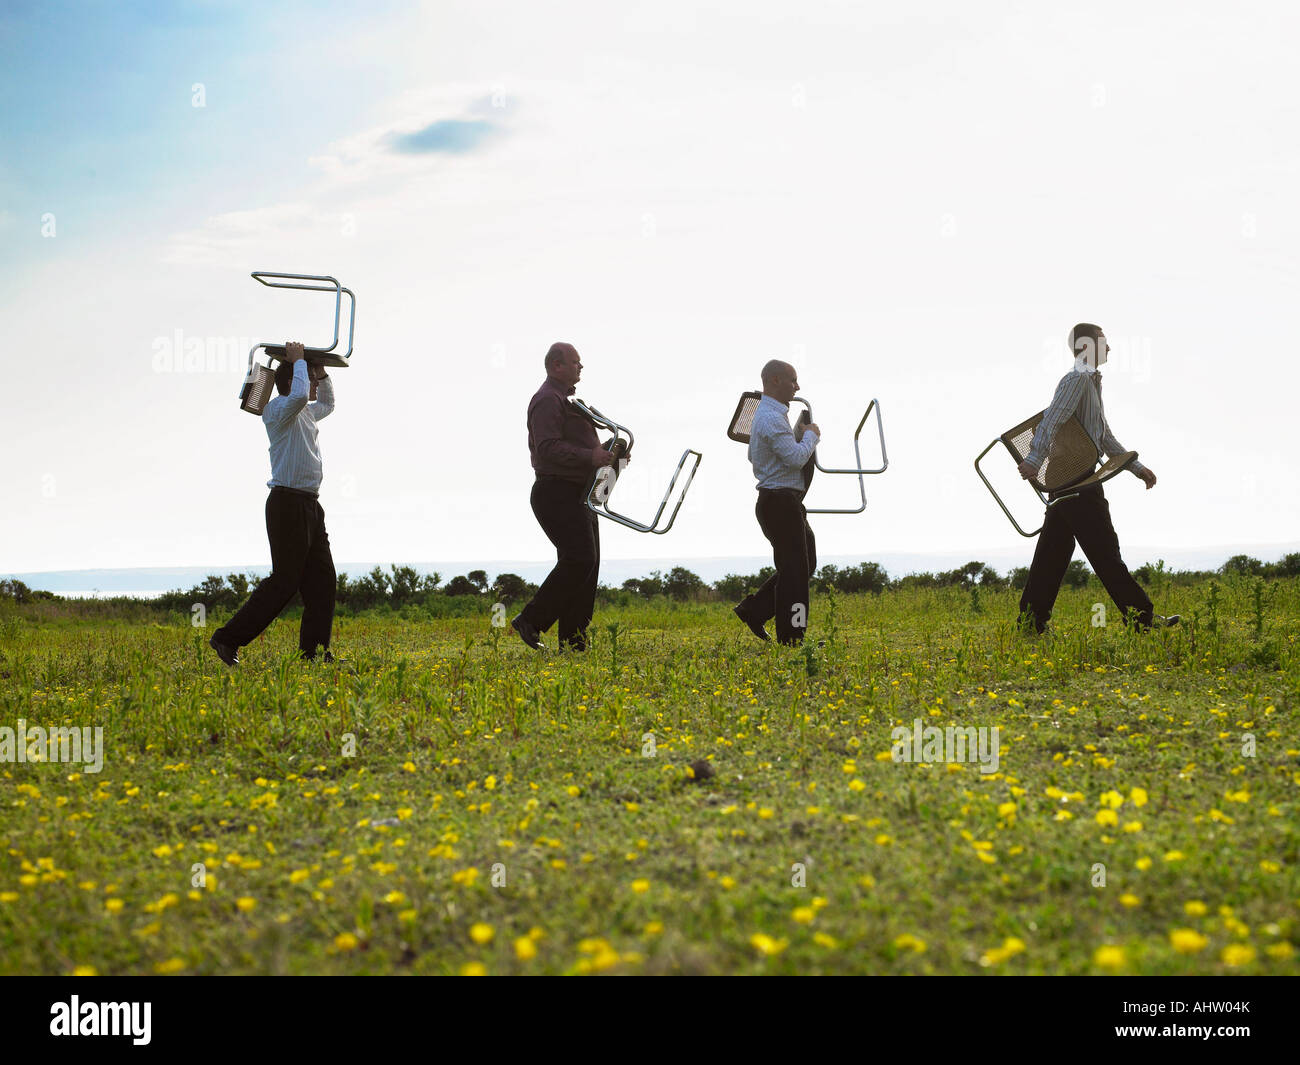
{"x":1086,"y":517}
{"x":779,"y":457}
{"x":295,"y":523}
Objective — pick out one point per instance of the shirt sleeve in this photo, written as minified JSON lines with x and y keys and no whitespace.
{"x":1064,"y":403}
{"x":1113,"y":447}
{"x":324,"y":405}
{"x":547,"y":425}
{"x":283,"y":409}
{"x":778,"y":435}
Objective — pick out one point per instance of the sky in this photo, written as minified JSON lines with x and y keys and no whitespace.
{"x":912,"y":203}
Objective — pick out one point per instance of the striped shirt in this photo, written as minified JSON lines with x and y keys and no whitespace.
{"x":778,"y":459}
{"x":291,"y":426}
{"x":1078,"y":393}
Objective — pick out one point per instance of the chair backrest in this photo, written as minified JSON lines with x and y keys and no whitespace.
{"x":743,"y":420}
{"x":1073,"y":455}
{"x":257,"y":389}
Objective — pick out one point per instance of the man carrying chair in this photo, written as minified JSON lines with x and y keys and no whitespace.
{"x":1085,"y":518}
{"x":295,"y":523}
{"x":779,"y":459}
{"x":565,"y":452}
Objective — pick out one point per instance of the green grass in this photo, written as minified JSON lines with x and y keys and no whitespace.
{"x":472,"y":752}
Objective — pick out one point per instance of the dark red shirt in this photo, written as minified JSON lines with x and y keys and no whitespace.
{"x":560,"y":437}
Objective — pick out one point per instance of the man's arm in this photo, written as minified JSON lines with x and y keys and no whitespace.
{"x":1113,"y":447}
{"x":1064,"y":403}
{"x":778,"y":435}
{"x":283,"y":409}
{"x":324,"y":405}
{"x":547,"y":424}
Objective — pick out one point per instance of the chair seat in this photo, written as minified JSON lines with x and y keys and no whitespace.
{"x":1115,"y":464}
{"x":315,"y":356}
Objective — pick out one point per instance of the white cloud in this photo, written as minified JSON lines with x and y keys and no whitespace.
{"x":229,"y":239}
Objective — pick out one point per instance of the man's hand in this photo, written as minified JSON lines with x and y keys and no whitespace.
{"x":1027,"y":471}
{"x":293,"y":350}
{"x":316,"y":373}
{"x":1149,"y":477}
{"x":813,"y":427}
{"x":600,"y":457}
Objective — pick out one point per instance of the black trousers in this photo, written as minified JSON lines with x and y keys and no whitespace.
{"x":1085,"y":519}
{"x":784,"y":595}
{"x":568,"y":595}
{"x":300,"y":562}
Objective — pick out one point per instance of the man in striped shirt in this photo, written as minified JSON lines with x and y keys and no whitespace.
{"x":1086,"y":517}
{"x":778,"y":458}
{"x":295,"y":523}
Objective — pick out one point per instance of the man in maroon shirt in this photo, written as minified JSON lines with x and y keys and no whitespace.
{"x":565,"y":452}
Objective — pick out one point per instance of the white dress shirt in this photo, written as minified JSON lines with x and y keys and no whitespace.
{"x":1078,"y":393}
{"x":291,"y":426}
{"x":778,"y":459}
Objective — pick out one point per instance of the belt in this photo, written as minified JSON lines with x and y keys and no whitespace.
{"x":295,"y":491}
{"x":794,"y":493}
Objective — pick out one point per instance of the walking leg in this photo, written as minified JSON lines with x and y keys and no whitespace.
{"x":576,"y":611}
{"x":1051,"y":559}
{"x":784,"y":525}
{"x":1096,"y":535}
{"x":287,"y":530}
{"x":760,"y":604}
{"x":319,"y":586}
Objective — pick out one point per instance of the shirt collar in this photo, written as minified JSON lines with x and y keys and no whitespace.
{"x":564,"y":390}
{"x":772,"y":399}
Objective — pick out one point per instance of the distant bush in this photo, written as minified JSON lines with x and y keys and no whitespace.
{"x":681,"y":584}
{"x":1287,"y":566}
{"x":1242,"y":566}
{"x":864,"y":577}
{"x":17,"y":592}
{"x":1076,"y":574}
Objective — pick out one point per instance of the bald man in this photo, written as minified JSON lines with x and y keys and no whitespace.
{"x":779,"y":457}
{"x":565,"y":452}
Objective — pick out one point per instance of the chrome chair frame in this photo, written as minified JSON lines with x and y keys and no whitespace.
{"x":318,"y":356}
{"x":859,"y":470}
{"x":1049,"y":497}
{"x":597,"y":497}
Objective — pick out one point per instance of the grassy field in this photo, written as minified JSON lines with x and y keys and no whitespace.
{"x":505,"y":811}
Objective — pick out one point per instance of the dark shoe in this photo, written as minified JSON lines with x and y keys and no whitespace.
{"x":327,"y":658}
{"x":1161,"y":621}
{"x":755,"y":626}
{"x":528,"y":633}
{"x":802,"y":642}
{"x":227,"y":654}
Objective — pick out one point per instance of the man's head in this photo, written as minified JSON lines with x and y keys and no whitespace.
{"x":1088,"y":345}
{"x":563,"y":364}
{"x":284,"y":379}
{"x":780,"y":381}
